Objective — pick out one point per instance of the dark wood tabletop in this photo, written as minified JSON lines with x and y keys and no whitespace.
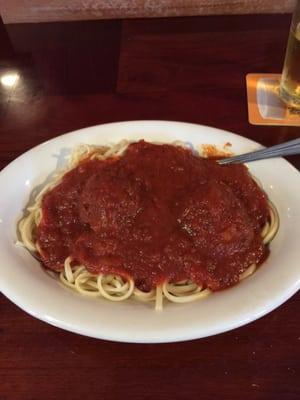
{"x":78,"y":74}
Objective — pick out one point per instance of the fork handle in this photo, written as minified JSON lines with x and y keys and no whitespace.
{"x":279,"y":150}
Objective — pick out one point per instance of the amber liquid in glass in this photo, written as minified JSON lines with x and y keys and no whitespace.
{"x":290,"y":80}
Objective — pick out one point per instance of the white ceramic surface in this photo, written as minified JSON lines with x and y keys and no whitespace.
{"x":26,"y":284}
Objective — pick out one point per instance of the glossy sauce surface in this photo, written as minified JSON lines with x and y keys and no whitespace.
{"x":158,"y":212}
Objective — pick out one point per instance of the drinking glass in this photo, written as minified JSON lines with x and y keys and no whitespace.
{"x":290,"y":79}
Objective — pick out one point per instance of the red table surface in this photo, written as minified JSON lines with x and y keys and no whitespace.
{"x":78,"y":74}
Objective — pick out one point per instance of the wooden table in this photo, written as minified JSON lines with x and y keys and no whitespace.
{"x":74,"y":75}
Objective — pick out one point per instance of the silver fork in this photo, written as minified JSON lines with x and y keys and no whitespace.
{"x":279,"y":150}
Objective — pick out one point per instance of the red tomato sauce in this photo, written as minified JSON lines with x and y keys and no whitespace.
{"x":156,"y":213}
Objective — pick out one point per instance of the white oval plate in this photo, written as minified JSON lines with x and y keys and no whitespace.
{"x":25,"y":283}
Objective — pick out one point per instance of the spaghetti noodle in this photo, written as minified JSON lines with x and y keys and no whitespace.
{"x":114,"y":286}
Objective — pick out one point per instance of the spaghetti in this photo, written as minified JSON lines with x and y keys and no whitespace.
{"x":79,"y":270}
